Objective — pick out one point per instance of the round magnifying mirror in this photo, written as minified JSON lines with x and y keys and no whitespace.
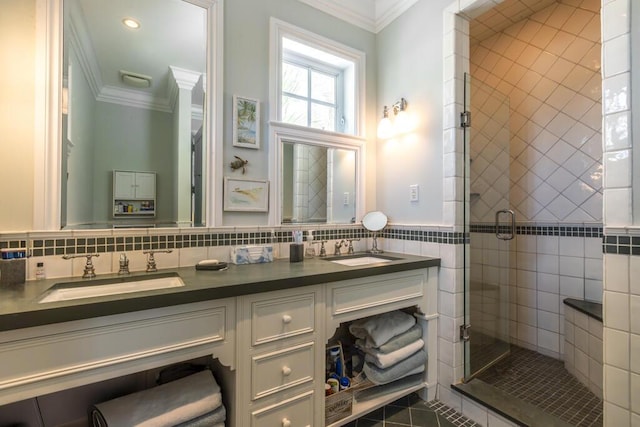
{"x":374,"y":221}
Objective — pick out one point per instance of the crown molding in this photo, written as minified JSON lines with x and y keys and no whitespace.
{"x":181,"y":78}
{"x":133,"y":98}
{"x":347,"y":12}
{"x":370,"y":15}
{"x":80,"y":43}
{"x":388,"y":10}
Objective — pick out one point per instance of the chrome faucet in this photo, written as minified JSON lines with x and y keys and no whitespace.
{"x":89,"y":269}
{"x":323,"y":251}
{"x":350,"y":248}
{"x":124,"y":264}
{"x":338,"y":246}
{"x":151,"y":261}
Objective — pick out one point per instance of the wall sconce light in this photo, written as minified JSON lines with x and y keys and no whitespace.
{"x":401,"y":124}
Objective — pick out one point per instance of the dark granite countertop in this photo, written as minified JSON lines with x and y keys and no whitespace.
{"x":19,"y":306}
{"x":590,"y":308}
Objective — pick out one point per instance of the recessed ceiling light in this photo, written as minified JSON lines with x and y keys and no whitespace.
{"x":131,"y":23}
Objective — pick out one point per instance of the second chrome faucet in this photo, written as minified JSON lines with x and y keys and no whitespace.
{"x":151,"y":260}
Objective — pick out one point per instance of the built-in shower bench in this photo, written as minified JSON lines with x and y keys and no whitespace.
{"x":583,"y":342}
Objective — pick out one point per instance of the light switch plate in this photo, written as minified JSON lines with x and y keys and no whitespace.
{"x":414,"y":193}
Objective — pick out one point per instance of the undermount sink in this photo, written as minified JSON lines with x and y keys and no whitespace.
{"x":104,"y":287}
{"x":360,"y":259}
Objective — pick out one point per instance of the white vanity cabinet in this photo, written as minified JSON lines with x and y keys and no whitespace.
{"x":280,"y":378}
{"x":136,"y":190}
{"x":416,"y":290}
{"x":282,"y":338}
{"x":46,"y":359}
{"x":273,"y":344}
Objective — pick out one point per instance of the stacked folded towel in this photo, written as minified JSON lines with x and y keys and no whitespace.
{"x":393,"y":346}
{"x":191,"y":401}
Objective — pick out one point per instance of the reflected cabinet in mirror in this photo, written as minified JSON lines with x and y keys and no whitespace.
{"x":133,"y":99}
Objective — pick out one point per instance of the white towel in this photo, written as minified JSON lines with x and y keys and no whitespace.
{"x":165,"y":405}
{"x":412,"y":365}
{"x":396,"y":342}
{"x":377,"y":330}
{"x":382,"y":360}
{"x":215,"y":418}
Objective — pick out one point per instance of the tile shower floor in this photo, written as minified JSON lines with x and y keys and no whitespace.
{"x":411,"y":411}
{"x":544,"y":382}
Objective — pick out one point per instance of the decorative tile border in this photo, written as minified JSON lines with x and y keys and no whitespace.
{"x":66,"y":244}
{"x":613,"y":244}
{"x":569,"y":230}
{"x":175,"y":241}
{"x":621,"y":244}
{"x":13,"y":244}
{"x":444,"y":237}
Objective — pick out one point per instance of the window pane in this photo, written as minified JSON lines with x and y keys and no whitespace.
{"x":323,"y":117}
{"x":323,"y":87}
{"x":294,"y":79}
{"x":294,"y":111}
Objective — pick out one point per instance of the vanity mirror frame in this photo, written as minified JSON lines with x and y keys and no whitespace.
{"x":281,"y":133}
{"x":48,"y":111}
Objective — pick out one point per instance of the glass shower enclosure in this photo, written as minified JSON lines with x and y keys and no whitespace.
{"x":490,"y":224}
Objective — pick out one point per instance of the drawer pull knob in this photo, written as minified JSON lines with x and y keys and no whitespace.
{"x":286,"y":371}
{"x":286,"y":319}
{"x":286,"y":422}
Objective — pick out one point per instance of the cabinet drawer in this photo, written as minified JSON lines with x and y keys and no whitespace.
{"x":295,"y":412}
{"x":280,"y":370}
{"x":279,"y":318}
{"x":375,"y":293}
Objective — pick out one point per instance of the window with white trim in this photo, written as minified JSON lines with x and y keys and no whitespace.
{"x":310,"y":94}
{"x":316,"y":82}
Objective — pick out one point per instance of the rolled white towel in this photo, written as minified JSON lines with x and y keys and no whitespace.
{"x":165,"y":405}
{"x":215,"y":418}
{"x":377,"y":330}
{"x":383,"y":361}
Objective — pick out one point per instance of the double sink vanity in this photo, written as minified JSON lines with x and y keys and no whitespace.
{"x":267,"y":324}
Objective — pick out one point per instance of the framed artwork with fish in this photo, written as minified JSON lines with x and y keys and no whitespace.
{"x":246,"y":122}
{"x":250,"y":195}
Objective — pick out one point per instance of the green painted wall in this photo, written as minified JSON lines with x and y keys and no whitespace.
{"x":141,"y":141}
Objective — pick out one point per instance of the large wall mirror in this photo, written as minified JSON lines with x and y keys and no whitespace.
{"x":137,"y":92}
{"x":319,"y":177}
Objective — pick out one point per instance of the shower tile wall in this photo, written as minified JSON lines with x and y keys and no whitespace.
{"x":549,"y":66}
{"x":310,"y":194}
{"x":622,"y":261}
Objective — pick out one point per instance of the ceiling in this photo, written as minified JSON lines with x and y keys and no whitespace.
{"x":503,"y":16}
{"x":372,"y":15}
{"x":107,"y":46}
{"x":173,"y":34}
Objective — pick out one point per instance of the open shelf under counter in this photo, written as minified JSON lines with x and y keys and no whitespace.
{"x":384,"y":394}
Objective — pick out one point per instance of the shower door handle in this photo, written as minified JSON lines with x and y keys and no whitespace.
{"x":512,"y":228}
